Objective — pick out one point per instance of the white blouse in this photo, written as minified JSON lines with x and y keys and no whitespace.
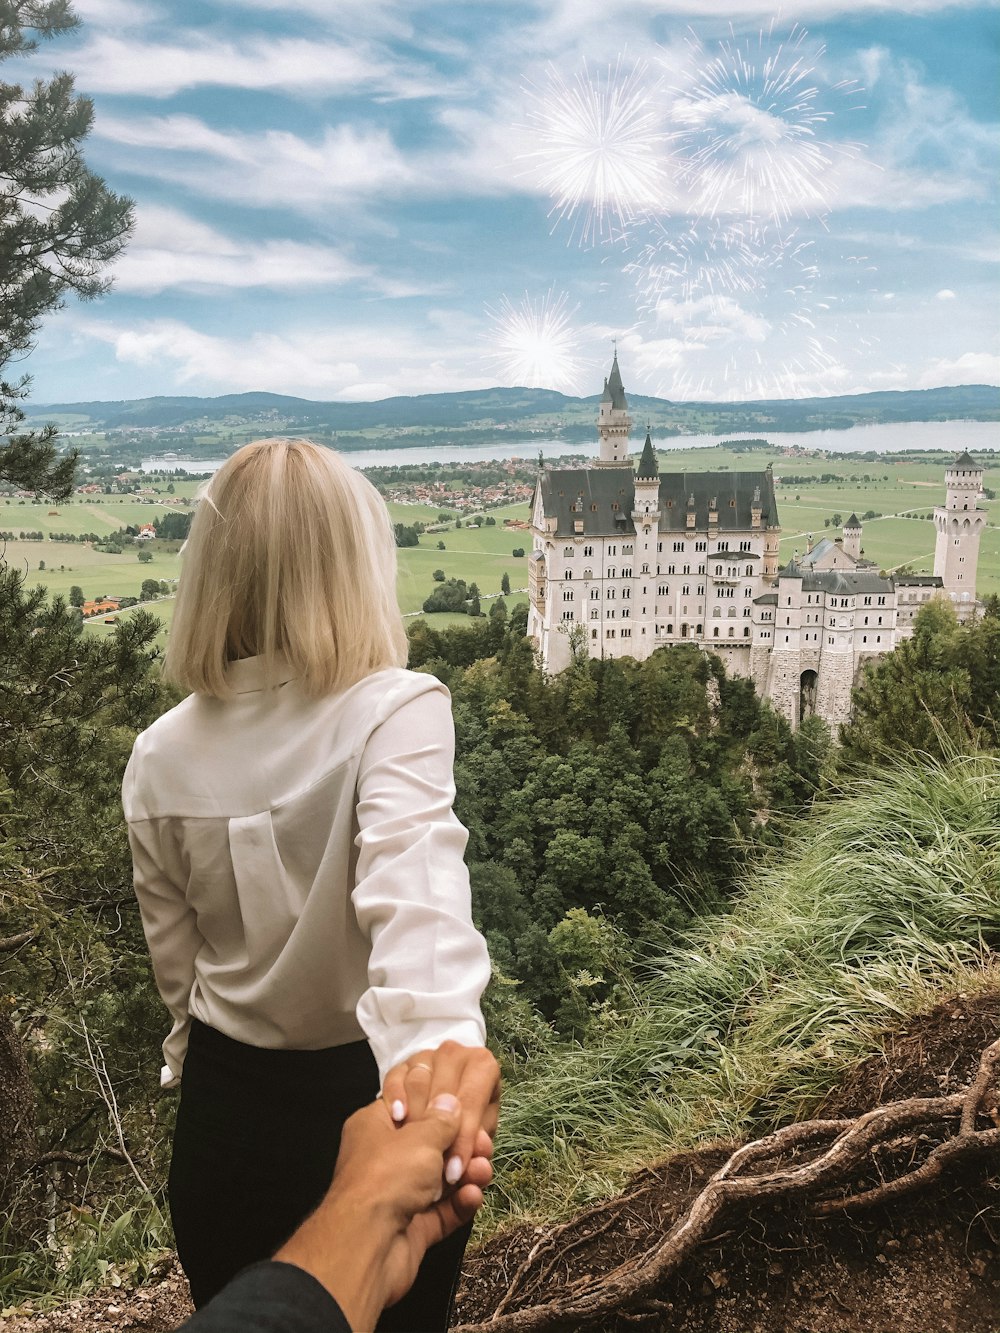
{"x":299,"y":867}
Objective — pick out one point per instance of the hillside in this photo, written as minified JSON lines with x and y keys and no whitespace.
{"x":533,"y":409}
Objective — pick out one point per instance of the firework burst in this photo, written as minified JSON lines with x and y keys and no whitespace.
{"x":534,"y":343}
{"x":602,"y":149}
{"x":752,"y":129}
{"x":736,"y":310}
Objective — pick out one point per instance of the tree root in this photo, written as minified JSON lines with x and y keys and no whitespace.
{"x":832,"y":1180}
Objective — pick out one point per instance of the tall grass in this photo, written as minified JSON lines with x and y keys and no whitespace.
{"x":881,"y":902}
{"x":115,"y":1247}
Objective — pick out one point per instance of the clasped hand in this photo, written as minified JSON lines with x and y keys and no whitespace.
{"x":469,"y":1073}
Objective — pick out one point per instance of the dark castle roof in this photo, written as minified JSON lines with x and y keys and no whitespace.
{"x":648,"y":466}
{"x":967,"y":462}
{"x":852,"y":522}
{"x":604,"y":497}
{"x":614,"y":390}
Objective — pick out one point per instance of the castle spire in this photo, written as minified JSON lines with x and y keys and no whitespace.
{"x":649,"y":468}
{"x":614,"y":425}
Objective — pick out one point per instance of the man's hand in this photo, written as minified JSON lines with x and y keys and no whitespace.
{"x":469,"y":1073}
{"x":385,"y":1208}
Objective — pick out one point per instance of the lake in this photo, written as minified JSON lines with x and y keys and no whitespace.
{"x":954,"y":436}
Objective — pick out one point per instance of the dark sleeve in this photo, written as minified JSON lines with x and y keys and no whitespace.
{"x":270,"y":1298}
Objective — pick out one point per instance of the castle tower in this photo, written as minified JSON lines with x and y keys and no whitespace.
{"x":614,"y":425}
{"x":852,"y":537}
{"x":646,"y":518}
{"x":960,"y":525}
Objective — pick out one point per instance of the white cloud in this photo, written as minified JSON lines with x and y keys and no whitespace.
{"x":172,"y":250}
{"x":298,"y":66}
{"x":946,"y":294}
{"x":272,"y":167}
{"x":306,"y":361}
{"x":972,"y":368}
{"x":116,"y":13}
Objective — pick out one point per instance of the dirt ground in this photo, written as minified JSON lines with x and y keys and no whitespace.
{"x":929,"y":1264}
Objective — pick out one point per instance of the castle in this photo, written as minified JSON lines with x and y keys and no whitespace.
{"x":631,"y":559}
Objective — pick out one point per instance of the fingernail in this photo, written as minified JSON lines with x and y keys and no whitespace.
{"x":398,"y":1111}
{"x":453,"y":1171}
{"x":444,"y":1101}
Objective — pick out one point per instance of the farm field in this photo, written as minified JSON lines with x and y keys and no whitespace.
{"x":895,"y":489}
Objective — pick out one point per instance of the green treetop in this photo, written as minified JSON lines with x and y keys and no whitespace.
{"x":60,"y":228}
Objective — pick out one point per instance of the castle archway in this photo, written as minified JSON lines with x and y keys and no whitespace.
{"x":807,"y":695}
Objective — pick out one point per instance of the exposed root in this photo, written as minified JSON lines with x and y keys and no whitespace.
{"x":835,"y":1177}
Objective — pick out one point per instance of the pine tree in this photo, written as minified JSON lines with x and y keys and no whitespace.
{"x":60,"y":228}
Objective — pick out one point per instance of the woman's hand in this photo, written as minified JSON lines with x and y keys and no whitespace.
{"x":469,"y":1073}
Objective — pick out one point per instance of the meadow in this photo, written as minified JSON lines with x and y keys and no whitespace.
{"x":903,"y":492}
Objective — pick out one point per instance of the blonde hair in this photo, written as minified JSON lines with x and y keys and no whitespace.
{"x":291,"y":551}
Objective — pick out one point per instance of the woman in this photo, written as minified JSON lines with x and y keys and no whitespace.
{"x":299,"y":866}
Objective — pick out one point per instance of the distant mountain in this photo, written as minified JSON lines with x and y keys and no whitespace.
{"x":544,"y":408}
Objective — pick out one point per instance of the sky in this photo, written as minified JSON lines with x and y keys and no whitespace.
{"x":352,"y":199}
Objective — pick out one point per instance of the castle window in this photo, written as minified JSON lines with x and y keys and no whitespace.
{"x":744,"y":546}
{"x":698,"y":629}
{"x":670,"y":629}
{"x":611,"y":593}
{"x":568,"y":552}
{"x":716,"y":611}
{"x":701,"y":590}
{"x":568,"y":574}
{"x":567,"y":615}
{"x":626,"y":573}
{"x":626,"y":592}
{"x":593,"y":633}
{"x":786,"y":638}
{"x":718,"y":569}
{"x":626,"y":634}
{"x":595,"y":613}
{"x":748,"y":592}
{"x":612,"y":550}
{"x":645,"y":569}
{"x":588,"y":550}
{"x":609,"y":634}
{"x":614,"y":504}
{"x":671,"y":569}
{"x":595,"y":594}
{"x":732,"y":504}
{"x":568,"y":596}
{"x":659,"y":548}
{"x":749,"y":571}
{"x":715,"y":632}
{"x":701,"y":546}
{"x":593,"y":509}
{"x":678,"y":546}
{"x":663,"y":590}
{"x":746,"y":631}
{"x":625,"y":613}
{"x":686,"y":590}
{"x":686,"y":569}
{"x":588,"y":574}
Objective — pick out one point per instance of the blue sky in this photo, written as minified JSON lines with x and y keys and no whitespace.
{"x":348,"y":199}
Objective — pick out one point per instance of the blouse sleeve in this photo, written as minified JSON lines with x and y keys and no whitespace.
{"x":169,"y":924}
{"x":429,"y":965}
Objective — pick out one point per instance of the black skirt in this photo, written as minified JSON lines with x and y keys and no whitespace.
{"x":255,"y":1145}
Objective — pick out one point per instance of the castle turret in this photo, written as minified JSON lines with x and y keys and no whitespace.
{"x":852,"y":537}
{"x":614,"y":425}
{"x":960,"y":524}
{"x":646,"y":519}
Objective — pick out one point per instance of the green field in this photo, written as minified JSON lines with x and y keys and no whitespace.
{"x":483,"y":555}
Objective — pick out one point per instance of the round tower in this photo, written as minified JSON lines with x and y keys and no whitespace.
{"x":960,"y":525}
{"x":614,"y":425}
{"x":852,"y":537}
